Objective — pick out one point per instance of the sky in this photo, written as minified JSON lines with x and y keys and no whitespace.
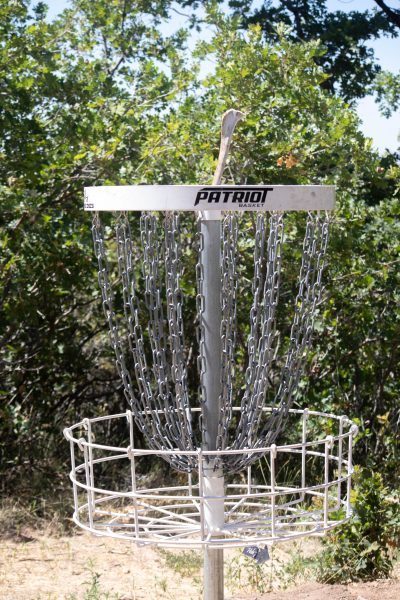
{"x":384,"y":132}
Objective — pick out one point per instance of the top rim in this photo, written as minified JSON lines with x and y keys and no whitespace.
{"x":215,"y":198}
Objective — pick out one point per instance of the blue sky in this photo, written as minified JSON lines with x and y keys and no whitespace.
{"x":384,"y":132}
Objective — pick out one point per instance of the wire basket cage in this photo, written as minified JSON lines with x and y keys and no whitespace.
{"x":230,"y":478}
{"x":304,"y":490}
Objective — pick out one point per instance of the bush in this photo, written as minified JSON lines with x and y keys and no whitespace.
{"x":364,"y":548}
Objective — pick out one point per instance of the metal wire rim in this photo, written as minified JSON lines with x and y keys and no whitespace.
{"x":174,"y":515}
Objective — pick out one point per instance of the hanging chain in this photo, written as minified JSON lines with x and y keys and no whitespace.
{"x":175,"y":327}
{"x":200,"y":330}
{"x":262,"y":337}
{"x":131,"y":312}
{"x":307,"y":299}
{"x":175,"y":409}
{"x":229,"y":276}
{"x":254,"y":402}
{"x":153,"y":410}
{"x":162,"y":408}
{"x":108,"y":307}
{"x":152,"y":296}
{"x":152,"y":406}
{"x":138,"y":406}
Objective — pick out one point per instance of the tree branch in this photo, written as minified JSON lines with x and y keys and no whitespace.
{"x":392,"y":14}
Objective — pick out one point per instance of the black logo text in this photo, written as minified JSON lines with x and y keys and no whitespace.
{"x":243,"y":195}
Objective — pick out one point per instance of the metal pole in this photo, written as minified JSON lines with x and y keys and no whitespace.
{"x":213,"y":480}
{"x":211,"y":268}
{"x":213,"y":574}
{"x":210,"y":260}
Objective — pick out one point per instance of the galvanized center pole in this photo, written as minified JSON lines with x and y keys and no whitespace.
{"x":210,"y":260}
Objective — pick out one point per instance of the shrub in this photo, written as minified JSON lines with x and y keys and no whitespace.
{"x":365,"y":547}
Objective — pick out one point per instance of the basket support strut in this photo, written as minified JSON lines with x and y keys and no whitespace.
{"x":210,"y":260}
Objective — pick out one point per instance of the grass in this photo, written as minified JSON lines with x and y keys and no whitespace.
{"x":50,"y":516}
{"x":187,"y":563}
{"x":93,"y":590}
{"x":243,"y":573}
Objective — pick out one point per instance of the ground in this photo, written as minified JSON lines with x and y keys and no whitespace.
{"x":39,"y":566}
{"x":377,"y":590}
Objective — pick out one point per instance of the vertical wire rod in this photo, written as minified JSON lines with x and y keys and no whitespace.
{"x":131,"y":456}
{"x":304,"y":452}
{"x":349,"y":472}
{"x":88,"y":487}
{"x":328,"y":446}
{"x":73,"y":471}
{"x":88,"y":428}
{"x":340,"y":459}
{"x":273,"y":454}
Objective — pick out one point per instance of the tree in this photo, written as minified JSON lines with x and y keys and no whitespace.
{"x":77,"y":96}
{"x":387,"y":89}
{"x":347,"y":58}
{"x":100,"y":96}
{"x":393,"y":14}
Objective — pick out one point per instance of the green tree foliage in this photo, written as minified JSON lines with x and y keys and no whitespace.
{"x":101,"y":96}
{"x":366,"y":547}
{"x":391,"y":13}
{"x":76,"y":98}
{"x":387,"y":88}
{"x":345,"y":36}
{"x":293,"y":132}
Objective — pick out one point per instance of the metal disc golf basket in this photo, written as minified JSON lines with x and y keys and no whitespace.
{"x":231,"y":482}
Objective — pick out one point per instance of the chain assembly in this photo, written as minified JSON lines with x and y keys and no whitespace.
{"x":249,"y":433}
{"x":155,"y":342}
{"x":262,"y":337}
{"x":200,"y":333}
{"x":163,"y":417}
{"x":229,"y":276}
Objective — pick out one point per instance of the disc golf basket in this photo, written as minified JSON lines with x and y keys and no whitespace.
{"x":214,"y":496}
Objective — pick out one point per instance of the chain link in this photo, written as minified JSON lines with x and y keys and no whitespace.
{"x":229,"y":276}
{"x":200,"y":330}
{"x":248,"y":434}
{"x":162,"y":408}
{"x":175,"y":327}
{"x":308,"y":297}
